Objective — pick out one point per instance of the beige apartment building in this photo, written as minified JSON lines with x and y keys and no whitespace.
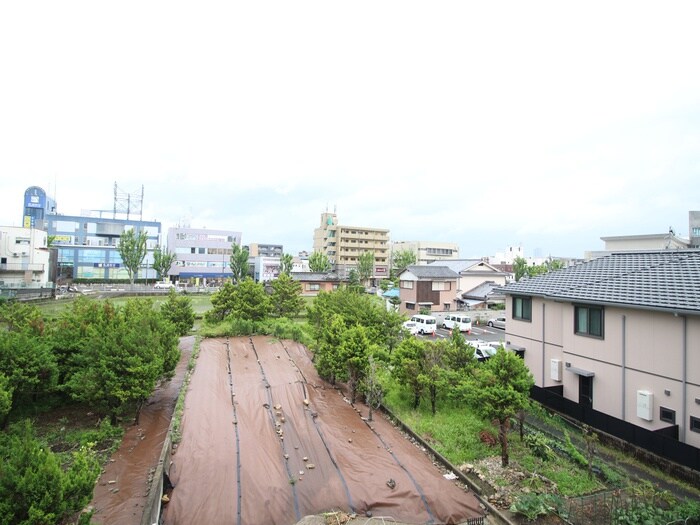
{"x":344,"y":244}
{"x":619,"y":335}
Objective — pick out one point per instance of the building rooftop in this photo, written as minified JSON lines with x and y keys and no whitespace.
{"x":659,"y":280}
{"x":432,"y":271}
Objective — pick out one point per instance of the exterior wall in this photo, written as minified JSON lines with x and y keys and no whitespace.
{"x":201,"y":253}
{"x":37,"y":208}
{"x":87,"y":246}
{"x":266,"y":268}
{"x":421,"y":294}
{"x":24,"y":257}
{"x":312,"y":288}
{"x":428,"y":251}
{"x":344,"y":244}
{"x":265,"y":250}
{"x":641,"y":350}
{"x":642,"y":242}
{"x":694,"y":228}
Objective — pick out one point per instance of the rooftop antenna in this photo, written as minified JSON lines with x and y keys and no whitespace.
{"x":127,"y":202}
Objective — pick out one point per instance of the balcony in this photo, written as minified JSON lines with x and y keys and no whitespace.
{"x":21,"y":267}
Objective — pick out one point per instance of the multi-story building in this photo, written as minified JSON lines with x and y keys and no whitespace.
{"x":615,"y":340}
{"x":24,"y":257}
{"x":343,"y":245}
{"x":88,"y":246}
{"x":427,"y":251}
{"x":694,"y":229}
{"x":201,"y":253}
{"x":37,"y":208}
{"x":265,"y":250}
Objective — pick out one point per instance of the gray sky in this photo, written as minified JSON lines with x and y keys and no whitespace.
{"x":488,"y":124}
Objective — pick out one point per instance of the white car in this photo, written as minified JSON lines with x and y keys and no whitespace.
{"x":411,"y":326}
{"x":482,"y":349}
{"x":498,"y":322}
{"x":163,"y":286}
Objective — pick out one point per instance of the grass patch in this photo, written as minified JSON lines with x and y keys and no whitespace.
{"x":454,"y":431}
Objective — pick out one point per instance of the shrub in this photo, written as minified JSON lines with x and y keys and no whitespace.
{"x":540,"y":445}
{"x":533,"y":505}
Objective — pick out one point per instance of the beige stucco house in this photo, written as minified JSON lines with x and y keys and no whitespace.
{"x":313,"y":282}
{"x":619,"y":334}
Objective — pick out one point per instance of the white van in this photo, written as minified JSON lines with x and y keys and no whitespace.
{"x":426,"y":324}
{"x":461,"y":322}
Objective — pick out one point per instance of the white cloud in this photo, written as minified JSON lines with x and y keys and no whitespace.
{"x":547,"y":123}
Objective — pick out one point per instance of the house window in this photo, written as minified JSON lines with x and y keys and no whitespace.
{"x":440,"y":286}
{"x":410,"y":306}
{"x":695,"y":424}
{"x":407,"y":285}
{"x":667,"y":415}
{"x":522,"y":308}
{"x":588,"y":320}
{"x":313,"y":287}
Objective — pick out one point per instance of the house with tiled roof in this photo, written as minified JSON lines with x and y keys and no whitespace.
{"x":314,"y":282}
{"x":618,"y":339}
{"x":430,"y":287}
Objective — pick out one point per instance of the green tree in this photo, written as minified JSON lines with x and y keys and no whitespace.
{"x":286,"y":296}
{"x":554,"y":264}
{"x":327,"y":358}
{"x":163,"y":260}
{"x":365,"y":267}
{"x":178,"y":310}
{"x":355,"y":349}
{"x":247,"y":300}
{"x":239,"y":263}
{"x":501,"y":388}
{"x":125,"y":352}
{"x":519,"y":268}
{"x":433,"y":376}
{"x":286,"y":264}
{"x":132,"y":250}
{"x":34,"y":488}
{"x":401,"y":259}
{"x":19,"y":316}
{"x":408,"y":359}
{"x":6,"y":392}
{"x":318,"y":262}
{"x":29,"y":367}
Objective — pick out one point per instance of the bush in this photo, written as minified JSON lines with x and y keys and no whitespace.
{"x":34,"y":488}
{"x":533,"y":505}
{"x":540,"y":445}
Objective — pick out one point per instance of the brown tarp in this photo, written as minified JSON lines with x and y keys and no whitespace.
{"x":266,"y":441}
{"x":122,"y":490}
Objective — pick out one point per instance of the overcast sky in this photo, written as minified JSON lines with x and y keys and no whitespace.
{"x":487,"y":124}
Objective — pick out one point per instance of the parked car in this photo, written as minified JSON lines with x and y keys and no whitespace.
{"x":427,"y":324}
{"x":461,"y":322}
{"x":163,"y":285}
{"x":498,"y":322}
{"x":482,"y":349}
{"x":411,"y":326}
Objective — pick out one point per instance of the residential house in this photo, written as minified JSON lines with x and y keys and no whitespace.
{"x":427,"y":251}
{"x":617,"y":337}
{"x":312,"y":282}
{"x":477,"y":279}
{"x":430,"y":287}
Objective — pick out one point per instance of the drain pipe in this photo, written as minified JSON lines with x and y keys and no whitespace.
{"x":684,"y":383}
{"x":624,"y":365}
{"x":544,"y":345}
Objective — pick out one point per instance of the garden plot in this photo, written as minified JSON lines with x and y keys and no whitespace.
{"x":266,"y":441}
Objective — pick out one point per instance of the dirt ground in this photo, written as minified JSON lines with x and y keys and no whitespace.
{"x":266,"y":441}
{"x":120,"y":494}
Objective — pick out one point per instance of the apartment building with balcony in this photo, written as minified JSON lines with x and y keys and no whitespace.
{"x":343,"y":246}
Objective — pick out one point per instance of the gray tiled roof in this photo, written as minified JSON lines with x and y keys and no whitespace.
{"x":429,"y":271}
{"x":456,"y":265}
{"x":663,"y":280}
{"x":314,"y":276}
